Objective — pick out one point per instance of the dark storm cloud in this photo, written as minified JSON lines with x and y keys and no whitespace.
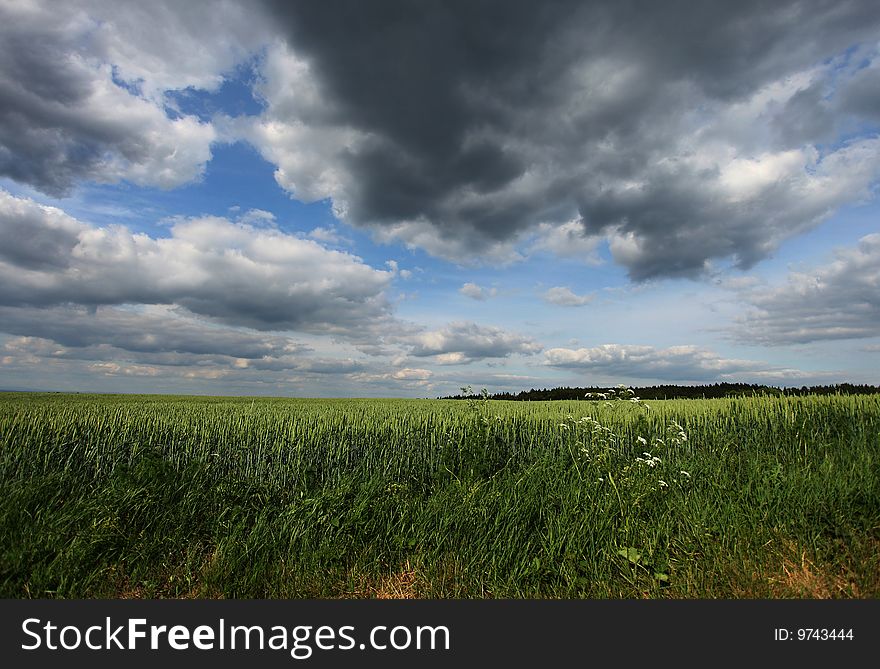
{"x":478,"y":120}
{"x":807,"y":117}
{"x":460,"y":127}
{"x":862,"y":96}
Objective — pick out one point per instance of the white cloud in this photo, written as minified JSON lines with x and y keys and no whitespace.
{"x":839,"y":300}
{"x":257,"y":217}
{"x":564,"y":297}
{"x":84,"y":87}
{"x":412,"y":374}
{"x":294,"y":132}
{"x":463,"y":342}
{"x":568,"y":240}
{"x":233,"y":272}
{"x":763,"y":200}
{"x":329,"y":235}
{"x":455,"y":248}
{"x":675,"y":363}
{"x":168,"y":45}
{"x":476,"y":292}
{"x":115,"y":369}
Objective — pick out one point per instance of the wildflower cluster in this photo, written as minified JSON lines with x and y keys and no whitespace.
{"x":675,"y":437}
{"x":618,"y":395}
{"x":602,"y":449}
{"x":596,"y":443}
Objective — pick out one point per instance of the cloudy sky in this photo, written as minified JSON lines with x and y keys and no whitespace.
{"x":401,"y":198}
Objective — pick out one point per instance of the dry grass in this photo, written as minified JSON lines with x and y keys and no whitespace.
{"x":799,"y":576}
{"x":399,"y":585}
{"x":403,"y":583}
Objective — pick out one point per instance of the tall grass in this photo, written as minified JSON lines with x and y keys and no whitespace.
{"x":202,"y":497}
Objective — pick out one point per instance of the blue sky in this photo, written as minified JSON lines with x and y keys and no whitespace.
{"x":271,"y":201}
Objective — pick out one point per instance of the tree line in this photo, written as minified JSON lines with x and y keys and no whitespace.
{"x":668,"y":392}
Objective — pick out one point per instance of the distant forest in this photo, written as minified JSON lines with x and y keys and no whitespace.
{"x":669,"y":392}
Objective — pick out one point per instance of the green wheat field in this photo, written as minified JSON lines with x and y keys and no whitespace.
{"x":161,"y":496}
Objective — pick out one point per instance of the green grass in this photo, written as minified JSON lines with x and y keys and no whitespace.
{"x":152,"y":496}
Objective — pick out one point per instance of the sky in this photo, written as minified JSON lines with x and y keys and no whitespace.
{"x":404,"y":198}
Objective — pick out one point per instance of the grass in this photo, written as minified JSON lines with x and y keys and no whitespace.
{"x":152,"y":496}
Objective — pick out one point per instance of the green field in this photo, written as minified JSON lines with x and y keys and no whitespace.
{"x":158,"y":496}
